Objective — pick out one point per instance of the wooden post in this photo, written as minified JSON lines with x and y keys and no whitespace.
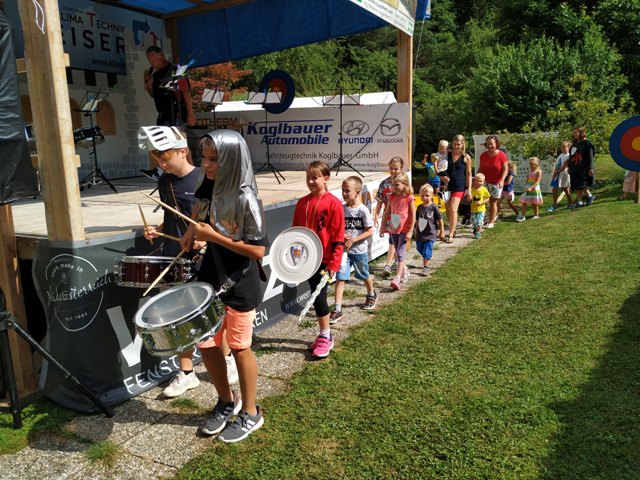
{"x":405,"y":83}
{"x":12,"y":289}
{"x":636,"y":181}
{"x":48,"y":90}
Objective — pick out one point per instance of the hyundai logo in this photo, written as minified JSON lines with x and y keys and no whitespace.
{"x":355,"y":128}
{"x":390,"y":127}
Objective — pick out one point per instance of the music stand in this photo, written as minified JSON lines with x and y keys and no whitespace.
{"x":342,"y":100}
{"x":171,"y":82}
{"x":266,"y":98}
{"x":90,"y":105}
{"x":215,"y":98}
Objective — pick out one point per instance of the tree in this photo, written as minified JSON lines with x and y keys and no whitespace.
{"x":222,"y":75}
{"x":517,"y":84}
{"x":620,"y":20}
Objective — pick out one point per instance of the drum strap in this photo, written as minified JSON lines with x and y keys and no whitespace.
{"x":227,"y":282}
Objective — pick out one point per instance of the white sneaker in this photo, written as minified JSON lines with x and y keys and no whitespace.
{"x":520,"y":218}
{"x":535,"y":217}
{"x":489,"y":225}
{"x":180,"y":384}
{"x":232,"y":370}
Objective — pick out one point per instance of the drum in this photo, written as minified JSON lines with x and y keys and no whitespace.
{"x":177,"y":319}
{"x":83,"y":137}
{"x":141,"y":271}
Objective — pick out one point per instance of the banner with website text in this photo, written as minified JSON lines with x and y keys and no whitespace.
{"x":399,"y":13}
{"x":371,"y":134}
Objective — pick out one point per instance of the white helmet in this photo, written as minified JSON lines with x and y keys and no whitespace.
{"x":161,"y":138}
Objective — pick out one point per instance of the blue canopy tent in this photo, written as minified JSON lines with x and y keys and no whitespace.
{"x":215,"y":31}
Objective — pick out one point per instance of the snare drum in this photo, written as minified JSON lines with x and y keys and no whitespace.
{"x":84,"y":137}
{"x":179,"y":318}
{"x":141,"y":271}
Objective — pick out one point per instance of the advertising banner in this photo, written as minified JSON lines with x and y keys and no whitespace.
{"x":370,"y":134}
{"x":399,"y":13}
{"x":95,"y":35}
{"x":90,"y":318}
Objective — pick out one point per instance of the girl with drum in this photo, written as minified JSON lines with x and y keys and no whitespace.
{"x":231,"y":221}
{"x":168,"y":146}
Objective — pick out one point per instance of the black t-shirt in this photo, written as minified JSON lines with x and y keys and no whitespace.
{"x":177,"y":192}
{"x":246,"y":293}
{"x":165,"y":99}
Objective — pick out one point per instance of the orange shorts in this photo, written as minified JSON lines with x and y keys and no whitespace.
{"x":239,"y":329}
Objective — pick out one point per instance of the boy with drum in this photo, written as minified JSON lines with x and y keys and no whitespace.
{"x":168,"y":146}
{"x":231,"y":221}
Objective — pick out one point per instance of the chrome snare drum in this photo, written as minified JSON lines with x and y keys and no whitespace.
{"x":177,"y":319}
{"x":141,"y":271}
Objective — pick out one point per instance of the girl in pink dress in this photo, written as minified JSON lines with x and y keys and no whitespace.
{"x":398,"y":220}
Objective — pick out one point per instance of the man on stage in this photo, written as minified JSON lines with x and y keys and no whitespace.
{"x":174,"y":105}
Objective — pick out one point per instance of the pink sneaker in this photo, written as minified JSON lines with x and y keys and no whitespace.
{"x":314,"y":344}
{"x":395,"y":283}
{"x":323,"y":347}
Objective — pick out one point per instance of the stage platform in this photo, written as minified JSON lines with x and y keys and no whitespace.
{"x":110,"y":216}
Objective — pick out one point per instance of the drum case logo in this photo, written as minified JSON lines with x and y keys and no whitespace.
{"x":74,"y":290}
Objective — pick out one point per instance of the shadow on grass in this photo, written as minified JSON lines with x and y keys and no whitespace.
{"x":599,"y":436}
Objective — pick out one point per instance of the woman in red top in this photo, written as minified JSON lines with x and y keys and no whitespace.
{"x":323,"y":213}
{"x":494,"y":166}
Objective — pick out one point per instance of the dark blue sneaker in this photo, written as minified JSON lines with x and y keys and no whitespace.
{"x":590,"y":199}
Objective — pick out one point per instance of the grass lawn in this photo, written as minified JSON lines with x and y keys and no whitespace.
{"x":519,"y":359}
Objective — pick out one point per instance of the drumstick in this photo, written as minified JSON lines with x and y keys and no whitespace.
{"x":180,"y":214}
{"x":170,"y":237}
{"x":164,"y":272}
{"x":144,"y":220}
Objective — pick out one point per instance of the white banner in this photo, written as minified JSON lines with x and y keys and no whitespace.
{"x":371,"y":134}
{"x":399,"y":13}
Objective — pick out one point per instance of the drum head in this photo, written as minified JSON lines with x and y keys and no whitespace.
{"x":174,"y":305}
{"x":295,"y":255}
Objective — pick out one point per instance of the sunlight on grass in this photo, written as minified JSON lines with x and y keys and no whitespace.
{"x":104,"y":454}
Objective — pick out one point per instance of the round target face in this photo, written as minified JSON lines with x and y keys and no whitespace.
{"x":624,"y":144}
{"x":278,"y":81}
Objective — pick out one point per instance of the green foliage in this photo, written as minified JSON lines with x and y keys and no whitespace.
{"x":518,"y":84}
{"x":488,"y":66}
{"x":438,"y":115}
{"x":620,"y":20}
{"x":314,"y":67}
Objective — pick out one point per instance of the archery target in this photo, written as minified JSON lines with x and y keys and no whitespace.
{"x":624,"y":144}
{"x":278,"y":81}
